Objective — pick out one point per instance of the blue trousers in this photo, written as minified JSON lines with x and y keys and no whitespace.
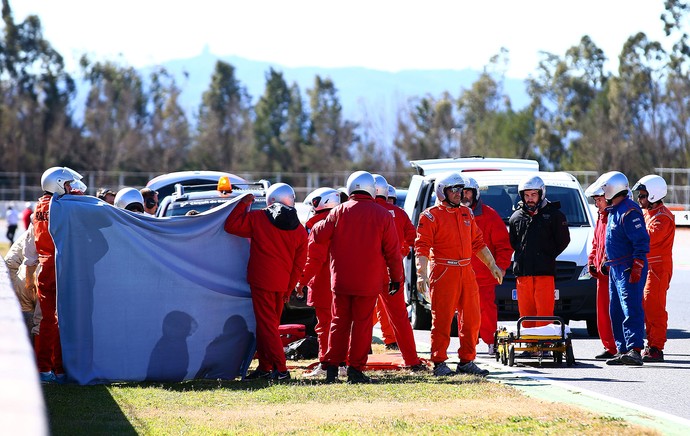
{"x":627,"y":315}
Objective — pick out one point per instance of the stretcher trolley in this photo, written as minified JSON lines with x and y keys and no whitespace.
{"x":553,"y":338}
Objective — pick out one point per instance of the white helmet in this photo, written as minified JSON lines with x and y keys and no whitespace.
{"x":323,"y":199}
{"x":280,"y":193}
{"x":613,"y":183}
{"x":361,"y":181}
{"x":53,"y":179}
{"x":381,"y":186}
{"x":654,"y":185}
{"x":534,"y":182}
{"x":595,"y":189}
{"x":392,"y":193}
{"x":472,"y":184}
{"x":448,"y":180}
{"x":129,"y":199}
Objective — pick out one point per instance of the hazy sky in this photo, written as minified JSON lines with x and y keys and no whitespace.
{"x":385,"y":35}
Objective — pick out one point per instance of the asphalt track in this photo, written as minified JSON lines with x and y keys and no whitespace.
{"x":654,"y":395}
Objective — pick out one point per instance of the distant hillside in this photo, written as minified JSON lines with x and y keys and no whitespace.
{"x":363,"y":92}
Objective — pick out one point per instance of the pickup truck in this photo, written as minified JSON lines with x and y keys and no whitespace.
{"x":498,"y":180}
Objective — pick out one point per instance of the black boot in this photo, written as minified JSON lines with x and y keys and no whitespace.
{"x":355,"y":376}
{"x":331,"y":374}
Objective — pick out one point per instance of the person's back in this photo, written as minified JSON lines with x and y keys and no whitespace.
{"x":362,"y":241}
{"x":277,"y":254}
{"x":276,"y":234}
{"x":357,"y":232}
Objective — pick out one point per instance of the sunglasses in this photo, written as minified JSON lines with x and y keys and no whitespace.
{"x":456,"y":188}
{"x":642,"y":196}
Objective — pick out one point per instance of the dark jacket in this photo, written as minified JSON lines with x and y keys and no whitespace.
{"x":538,"y":239}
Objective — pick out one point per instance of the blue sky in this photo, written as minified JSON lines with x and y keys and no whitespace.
{"x":384,"y":35}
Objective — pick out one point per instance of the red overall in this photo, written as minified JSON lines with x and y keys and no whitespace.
{"x":449,"y":237}
{"x":596,"y":257}
{"x":276,"y":261}
{"x":495,"y":236}
{"x":317,"y":275}
{"x":48,"y":349}
{"x":362,"y":241}
{"x":394,"y":305}
{"x":661,"y":225}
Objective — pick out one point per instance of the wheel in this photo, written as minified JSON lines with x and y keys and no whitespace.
{"x":592,"y":329}
{"x":569,"y":356}
{"x":420,"y":317}
{"x":511,"y":355}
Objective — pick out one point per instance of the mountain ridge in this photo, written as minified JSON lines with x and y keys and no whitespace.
{"x":362,"y":91}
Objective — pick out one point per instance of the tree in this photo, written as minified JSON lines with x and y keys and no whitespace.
{"x":36,"y":126}
{"x":561,"y":94}
{"x":169,"y":129}
{"x":426,"y":131}
{"x":115,"y":118}
{"x":296,"y":132}
{"x":224,"y":130}
{"x":330,"y":136}
{"x":677,"y":89}
{"x":271,"y":124}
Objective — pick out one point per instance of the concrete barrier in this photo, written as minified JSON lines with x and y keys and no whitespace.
{"x":22,"y":408}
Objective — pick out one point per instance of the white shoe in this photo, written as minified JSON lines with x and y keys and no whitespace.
{"x":342,"y":371}
{"x":318,"y":371}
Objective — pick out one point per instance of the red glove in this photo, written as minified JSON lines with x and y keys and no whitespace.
{"x":636,"y":271}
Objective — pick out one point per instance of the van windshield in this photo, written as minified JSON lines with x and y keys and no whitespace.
{"x":504,"y":199}
{"x":181,"y":208}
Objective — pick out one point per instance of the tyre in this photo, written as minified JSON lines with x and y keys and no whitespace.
{"x":420,"y":317}
{"x":511,"y":355}
{"x":592,"y":329}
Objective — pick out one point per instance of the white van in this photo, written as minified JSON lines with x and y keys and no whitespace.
{"x":498,"y":180}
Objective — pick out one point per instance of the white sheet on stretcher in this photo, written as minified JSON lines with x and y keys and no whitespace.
{"x":545,"y":330}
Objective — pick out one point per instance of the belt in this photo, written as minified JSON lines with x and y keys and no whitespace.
{"x":452,"y":262}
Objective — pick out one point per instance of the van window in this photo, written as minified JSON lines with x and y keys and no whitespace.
{"x":504,"y":199}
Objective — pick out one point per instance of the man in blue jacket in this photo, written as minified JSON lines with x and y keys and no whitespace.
{"x":627,"y":245}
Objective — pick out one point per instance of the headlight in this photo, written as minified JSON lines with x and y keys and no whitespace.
{"x":584,"y":274}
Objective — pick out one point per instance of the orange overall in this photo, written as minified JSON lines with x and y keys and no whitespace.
{"x":449,"y":237}
{"x":660,"y":223}
{"x":48,"y":349}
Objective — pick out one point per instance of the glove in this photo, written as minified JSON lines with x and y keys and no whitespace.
{"x":393,"y":288}
{"x":636,"y":270}
{"x":604,"y":270}
{"x":301,"y":291}
{"x":593,"y":271}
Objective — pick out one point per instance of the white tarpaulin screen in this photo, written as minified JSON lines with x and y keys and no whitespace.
{"x":143,"y":298}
